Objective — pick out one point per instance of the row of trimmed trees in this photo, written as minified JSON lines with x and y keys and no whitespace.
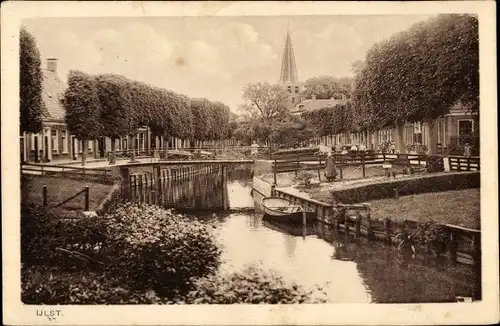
{"x":418,"y":75}
{"x":414,"y":76}
{"x":113,"y":106}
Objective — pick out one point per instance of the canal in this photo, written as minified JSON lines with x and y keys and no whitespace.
{"x":349,"y":270}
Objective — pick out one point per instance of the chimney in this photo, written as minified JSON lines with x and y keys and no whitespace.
{"x":52,"y":64}
{"x":314,"y":96}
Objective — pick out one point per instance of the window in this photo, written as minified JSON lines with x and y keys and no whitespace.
{"x":465,"y":127}
{"x":293,"y":100}
{"x":289,"y":89}
{"x":64,"y":140}
{"x":54,"y":144}
{"x":296,"y":89}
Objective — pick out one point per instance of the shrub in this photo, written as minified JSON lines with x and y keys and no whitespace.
{"x":429,"y":235}
{"x":153,"y":248}
{"x":252,"y":285}
{"x":304,"y":178}
{"x":435,"y":163}
{"x":44,"y":285}
{"x":43,"y":234}
{"x":409,"y":186}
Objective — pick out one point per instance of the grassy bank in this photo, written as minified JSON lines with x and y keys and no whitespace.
{"x":59,"y":189}
{"x":458,"y":207}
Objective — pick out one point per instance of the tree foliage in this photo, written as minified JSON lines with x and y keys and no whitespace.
{"x":291,"y":131}
{"x":264,"y":101}
{"x":331,"y":120}
{"x":30,"y":82}
{"x":326,"y":87}
{"x":81,"y":101}
{"x":118,"y":106}
{"x":419,"y":74}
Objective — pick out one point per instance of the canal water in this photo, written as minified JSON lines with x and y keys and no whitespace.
{"x":349,"y":270}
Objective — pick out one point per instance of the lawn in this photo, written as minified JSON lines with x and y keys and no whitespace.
{"x":59,"y":189}
{"x":458,"y":207}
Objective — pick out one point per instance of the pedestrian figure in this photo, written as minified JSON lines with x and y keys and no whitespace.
{"x":330,"y":168}
{"x":362,"y":147}
{"x":467,"y":150}
{"x":393,"y":147}
{"x":354,"y":148}
{"x":254,"y":149}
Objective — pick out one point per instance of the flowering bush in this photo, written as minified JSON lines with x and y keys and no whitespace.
{"x":252,"y":285}
{"x":154,"y":248}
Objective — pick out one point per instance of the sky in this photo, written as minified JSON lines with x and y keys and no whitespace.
{"x":211,"y":57}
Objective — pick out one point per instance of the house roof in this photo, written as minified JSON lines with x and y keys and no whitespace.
{"x":315,"y":104}
{"x":53,"y":88}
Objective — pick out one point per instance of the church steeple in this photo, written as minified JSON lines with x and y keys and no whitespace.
{"x":289,"y":79}
{"x":288,"y":67}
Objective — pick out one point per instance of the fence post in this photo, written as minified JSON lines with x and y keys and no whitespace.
{"x":87,"y":191}
{"x":319,"y":168}
{"x":44,"y":192}
{"x":387,"y":227}
{"x":363,"y":163}
{"x":449,"y":162}
{"x":369,"y":221}
{"x":358,"y":225}
{"x":298,"y":165}
{"x":458,"y":164}
{"x":452,"y":246}
{"x":468,"y":163}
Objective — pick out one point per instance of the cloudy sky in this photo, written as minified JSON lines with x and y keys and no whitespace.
{"x":212,"y":57}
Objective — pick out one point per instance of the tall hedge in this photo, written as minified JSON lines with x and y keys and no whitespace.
{"x":30,"y":82}
{"x":83,"y":110}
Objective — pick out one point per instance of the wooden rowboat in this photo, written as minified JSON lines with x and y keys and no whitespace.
{"x":284,"y":210}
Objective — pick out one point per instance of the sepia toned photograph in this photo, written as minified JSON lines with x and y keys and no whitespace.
{"x":298,"y":160}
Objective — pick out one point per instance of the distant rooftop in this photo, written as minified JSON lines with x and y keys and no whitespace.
{"x":315,"y":104}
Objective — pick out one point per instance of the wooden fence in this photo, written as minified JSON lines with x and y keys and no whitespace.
{"x":293,"y":162}
{"x":462,"y":163}
{"x":93,"y":174}
{"x":85,"y":192}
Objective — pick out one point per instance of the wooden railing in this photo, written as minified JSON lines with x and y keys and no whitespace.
{"x":462,"y":163}
{"x":93,"y":174}
{"x":85,"y":191}
{"x":293,"y":162}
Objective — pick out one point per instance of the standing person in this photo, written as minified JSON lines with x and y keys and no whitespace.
{"x":393,"y":147}
{"x":354,"y":148}
{"x":467,"y":150}
{"x":362,"y":147}
{"x":330,"y":168}
{"x":254,"y":149}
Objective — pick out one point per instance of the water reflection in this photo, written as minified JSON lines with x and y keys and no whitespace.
{"x":351,"y":270}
